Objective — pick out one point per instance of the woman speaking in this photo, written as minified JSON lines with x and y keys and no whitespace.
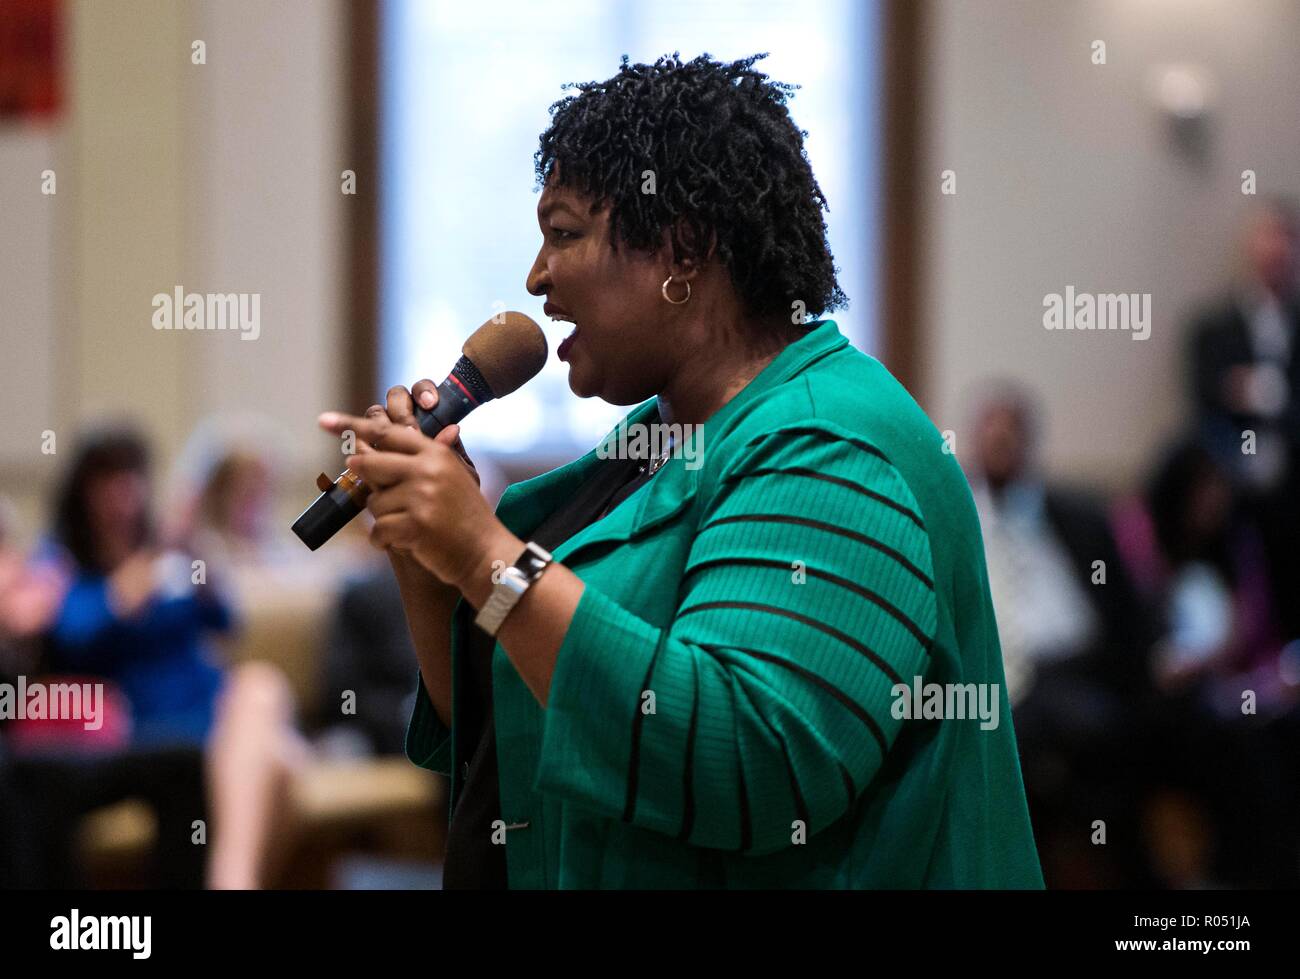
{"x":771,"y":664}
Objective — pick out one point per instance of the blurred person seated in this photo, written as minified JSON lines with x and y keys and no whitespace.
{"x":1073,"y":644}
{"x":1058,"y":611}
{"x":369,"y":691}
{"x":1201,"y":559}
{"x":137,"y":613}
{"x":1244,"y":359}
{"x":1223,"y":665}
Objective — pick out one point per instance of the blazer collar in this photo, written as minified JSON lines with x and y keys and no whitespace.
{"x":524,"y":505}
{"x":824,"y":337}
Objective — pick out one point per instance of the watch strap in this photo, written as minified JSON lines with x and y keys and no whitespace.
{"x":510,"y":587}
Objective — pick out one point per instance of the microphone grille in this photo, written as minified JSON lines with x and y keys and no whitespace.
{"x":507,"y":353}
{"x":473,"y":380}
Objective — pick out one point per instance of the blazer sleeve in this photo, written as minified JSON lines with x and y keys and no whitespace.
{"x":428,"y":740}
{"x":766,"y":706}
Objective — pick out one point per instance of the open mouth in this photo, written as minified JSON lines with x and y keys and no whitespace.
{"x":562,"y":316}
{"x":562,"y":351}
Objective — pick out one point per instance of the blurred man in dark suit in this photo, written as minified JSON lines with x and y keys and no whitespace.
{"x":1074,"y":644}
{"x":1245,"y":379}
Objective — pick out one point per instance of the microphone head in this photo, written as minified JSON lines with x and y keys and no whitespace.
{"x":508,"y":353}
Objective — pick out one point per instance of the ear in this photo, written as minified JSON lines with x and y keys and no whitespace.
{"x":693,"y":249}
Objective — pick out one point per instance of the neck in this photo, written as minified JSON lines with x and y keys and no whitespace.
{"x":717,"y":364}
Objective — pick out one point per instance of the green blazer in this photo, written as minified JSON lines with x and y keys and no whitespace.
{"x":784,"y":670}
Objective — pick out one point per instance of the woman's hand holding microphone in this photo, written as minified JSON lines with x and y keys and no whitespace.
{"x":425,"y":496}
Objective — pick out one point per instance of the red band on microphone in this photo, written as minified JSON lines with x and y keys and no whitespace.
{"x":453,"y":377}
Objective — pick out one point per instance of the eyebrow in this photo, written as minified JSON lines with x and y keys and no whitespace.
{"x":545,"y":212}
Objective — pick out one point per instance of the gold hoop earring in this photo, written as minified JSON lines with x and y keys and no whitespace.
{"x":676,"y":302}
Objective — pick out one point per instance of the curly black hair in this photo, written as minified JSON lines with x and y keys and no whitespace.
{"x":729,"y":169}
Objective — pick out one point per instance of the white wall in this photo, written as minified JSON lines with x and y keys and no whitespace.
{"x":221,"y":177}
{"x":1066,"y":176}
{"x":29,"y":271}
{"x":265,"y":148}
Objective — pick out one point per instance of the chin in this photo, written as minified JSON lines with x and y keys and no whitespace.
{"x":581,"y":385}
{"x":586,"y":382}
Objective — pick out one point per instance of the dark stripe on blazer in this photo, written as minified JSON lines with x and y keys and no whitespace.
{"x":629,"y":808}
{"x":800,"y":804}
{"x":854,"y":707}
{"x":849,"y":787}
{"x":831,"y":528}
{"x":825,"y":436}
{"x":688,"y":775}
{"x":857,"y":589}
{"x":838,"y":481}
{"x":831,"y":631}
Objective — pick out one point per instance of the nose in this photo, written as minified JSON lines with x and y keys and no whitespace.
{"x":539,"y":276}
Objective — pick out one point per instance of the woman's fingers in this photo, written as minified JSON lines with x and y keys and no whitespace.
{"x":425,"y":393}
{"x":381,"y":469}
{"x":450,"y":437}
{"x":393,"y":499}
{"x":395,"y":530}
{"x":400,"y":406}
{"x":377,"y":430}
{"x":373,"y":412}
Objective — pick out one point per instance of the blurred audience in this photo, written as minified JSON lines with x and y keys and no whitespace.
{"x":53,"y":772}
{"x":133,"y":613}
{"x":1153,"y":682}
{"x":1151,"y":641}
{"x":137,"y":613}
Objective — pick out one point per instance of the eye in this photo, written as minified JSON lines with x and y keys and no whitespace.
{"x":562,"y":234}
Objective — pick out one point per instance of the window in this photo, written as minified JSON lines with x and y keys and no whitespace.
{"x":466,"y":93}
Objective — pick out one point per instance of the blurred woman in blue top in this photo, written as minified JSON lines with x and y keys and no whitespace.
{"x":135,"y":614}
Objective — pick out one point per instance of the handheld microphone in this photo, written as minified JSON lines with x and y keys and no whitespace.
{"x":499,"y":357}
